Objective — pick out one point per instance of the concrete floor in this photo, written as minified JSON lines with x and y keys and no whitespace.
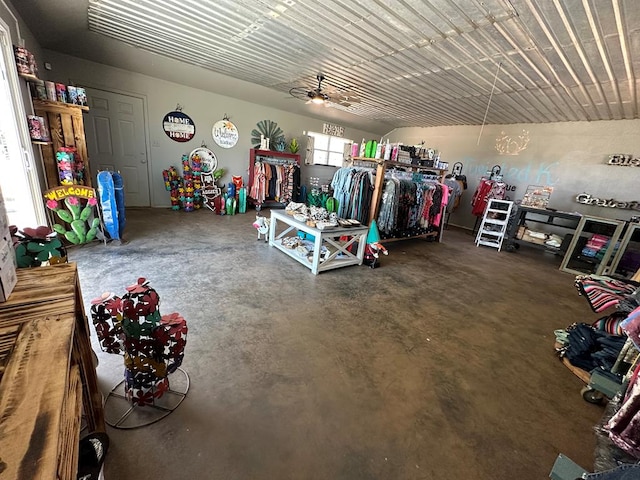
{"x":437,"y":365}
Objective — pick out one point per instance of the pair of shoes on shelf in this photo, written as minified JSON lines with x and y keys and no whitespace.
{"x":290,"y":242}
{"x":348,"y":222}
{"x":323,"y":225}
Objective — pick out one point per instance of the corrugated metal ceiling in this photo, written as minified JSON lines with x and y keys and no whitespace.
{"x":407,"y":62}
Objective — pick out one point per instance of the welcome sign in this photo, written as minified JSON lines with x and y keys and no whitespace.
{"x":224,"y":133}
{"x":64,"y":191}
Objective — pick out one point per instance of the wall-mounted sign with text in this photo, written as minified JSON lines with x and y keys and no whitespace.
{"x":225,"y":133}
{"x":333,"y":130}
{"x":587,"y":199}
{"x":624,"y":160}
{"x":178,"y":126}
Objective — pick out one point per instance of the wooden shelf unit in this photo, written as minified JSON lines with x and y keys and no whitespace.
{"x":66,"y":129}
{"x":257,"y":155}
{"x":31,"y":78}
{"x":47,"y":375}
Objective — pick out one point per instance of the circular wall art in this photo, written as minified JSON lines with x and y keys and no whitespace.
{"x":225,"y":133}
{"x":207,"y":158}
{"x":178,"y":126}
{"x":269,"y":129}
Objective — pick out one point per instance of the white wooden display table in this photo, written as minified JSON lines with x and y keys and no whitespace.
{"x":339,"y":255}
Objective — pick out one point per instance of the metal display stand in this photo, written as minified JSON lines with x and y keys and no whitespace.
{"x":128,"y":416}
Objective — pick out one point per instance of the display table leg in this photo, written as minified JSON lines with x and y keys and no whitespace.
{"x":362,"y":243}
{"x":272,"y":230}
{"x":317,"y":246}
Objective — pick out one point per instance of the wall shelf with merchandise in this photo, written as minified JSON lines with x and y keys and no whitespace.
{"x":66,"y":130}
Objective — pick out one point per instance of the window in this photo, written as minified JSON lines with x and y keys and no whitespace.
{"x":19,"y":182}
{"x":327,"y":149}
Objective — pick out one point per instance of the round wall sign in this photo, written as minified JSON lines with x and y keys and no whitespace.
{"x":178,"y":126}
{"x":208,"y":159}
{"x":225,"y":133}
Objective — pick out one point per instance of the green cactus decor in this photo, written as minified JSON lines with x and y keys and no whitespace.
{"x":38,"y":246}
{"x":218,"y":174}
{"x":83,"y":220}
{"x":293,"y":146}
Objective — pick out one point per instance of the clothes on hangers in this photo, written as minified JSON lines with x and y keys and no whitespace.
{"x":455,"y":193}
{"x":441,"y":198}
{"x":410,"y":207}
{"x":275,"y":182}
{"x":353,"y":188}
{"x":487,"y":189}
{"x":258,"y":189}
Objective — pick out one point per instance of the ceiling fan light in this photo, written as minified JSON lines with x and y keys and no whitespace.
{"x":317,"y":99}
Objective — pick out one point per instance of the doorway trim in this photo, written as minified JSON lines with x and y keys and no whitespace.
{"x":34,"y":169}
{"x":145,"y":116}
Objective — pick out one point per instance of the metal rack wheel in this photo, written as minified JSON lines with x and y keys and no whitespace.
{"x":591,"y":395}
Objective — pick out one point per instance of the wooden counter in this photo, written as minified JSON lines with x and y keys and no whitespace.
{"x":47,"y":376}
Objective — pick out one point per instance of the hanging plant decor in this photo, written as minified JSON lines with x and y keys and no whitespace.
{"x":269,"y":129}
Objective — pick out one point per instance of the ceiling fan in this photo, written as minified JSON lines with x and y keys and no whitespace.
{"x":322,"y":96}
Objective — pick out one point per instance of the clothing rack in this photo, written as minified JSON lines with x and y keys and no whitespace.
{"x":413,"y":176}
{"x":490,"y":186}
{"x":411,"y":208}
{"x":381,"y":168}
{"x":276,"y":159}
{"x":353,"y":188}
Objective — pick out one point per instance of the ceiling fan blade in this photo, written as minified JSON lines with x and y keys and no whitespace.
{"x":300,"y":93}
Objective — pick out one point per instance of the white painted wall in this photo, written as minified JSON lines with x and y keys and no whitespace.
{"x":205,"y":108}
{"x":570,"y":157}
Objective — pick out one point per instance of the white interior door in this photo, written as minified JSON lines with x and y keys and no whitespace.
{"x":116,"y":141}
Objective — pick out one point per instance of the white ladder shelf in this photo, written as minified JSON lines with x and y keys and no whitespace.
{"x":494,"y":223}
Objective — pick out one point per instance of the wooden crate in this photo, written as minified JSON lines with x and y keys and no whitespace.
{"x":66,"y":126}
{"x":49,"y":376}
